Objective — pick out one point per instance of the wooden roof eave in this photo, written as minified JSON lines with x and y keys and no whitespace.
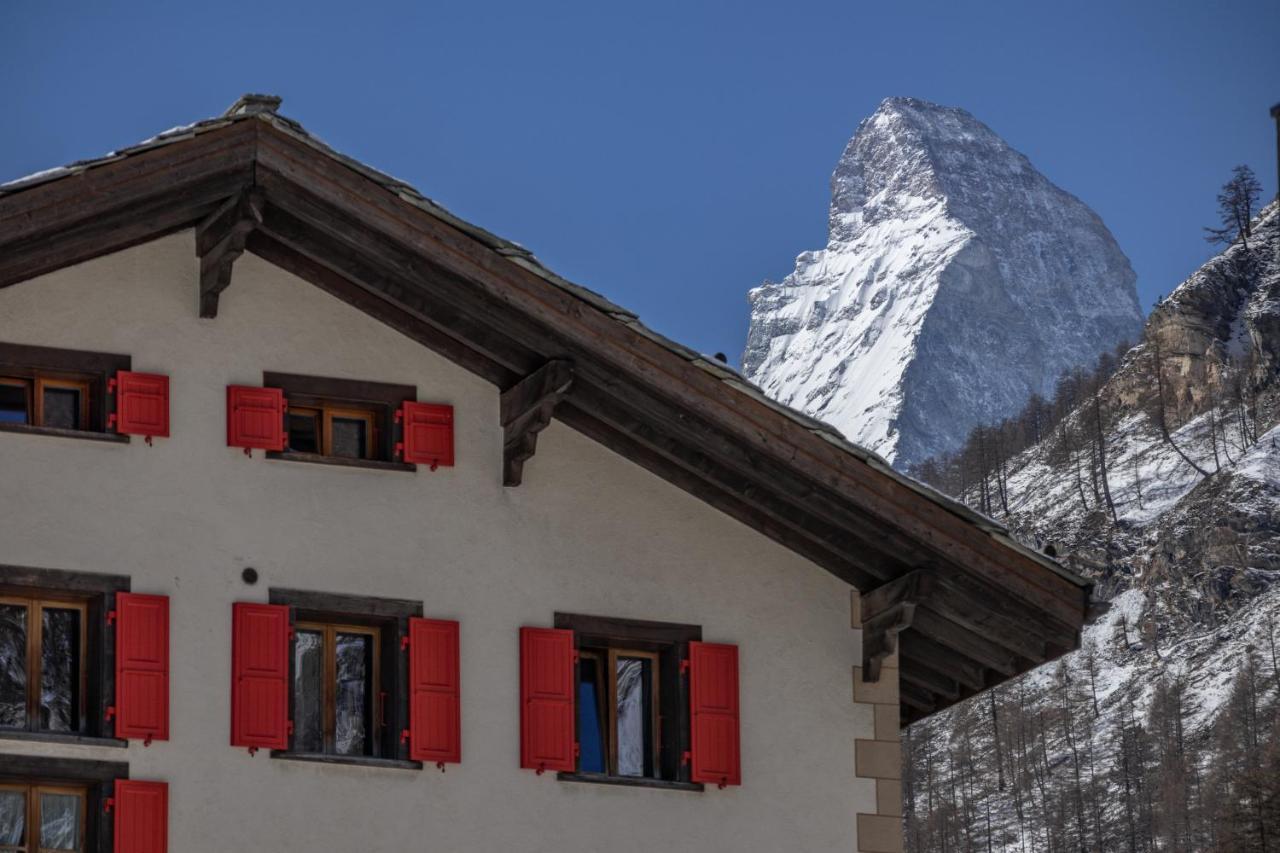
{"x":490,"y":306}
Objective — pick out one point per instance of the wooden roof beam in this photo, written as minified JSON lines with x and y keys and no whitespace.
{"x":525,"y":410}
{"x":886,"y":611}
{"x":220,"y":240}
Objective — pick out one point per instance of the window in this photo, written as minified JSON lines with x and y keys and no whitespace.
{"x":335,"y":688}
{"x":631,"y":699}
{"x":340,"y":421}
{"x":59,"y":805}
{"x":348,"y":676}
{"x":57,"y":650}
{"x":42,"y":818}
{"x":55,"y":390}
{"x":43,"y":652}
{"x":331,"y":429}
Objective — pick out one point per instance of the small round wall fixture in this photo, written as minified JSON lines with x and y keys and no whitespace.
{"x":250,"y":575}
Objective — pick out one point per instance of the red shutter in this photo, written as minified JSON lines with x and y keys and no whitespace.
{"x":260,"y":676}
{"x":142,"y":666}
{"x":141,"y":817}
{"x":713,"y":695}
{"x":435,"y":730}
{"x":142,"y":404}
{"x":255,"y":417}
{"x":428,"y":434}
{"x":547,"y":700}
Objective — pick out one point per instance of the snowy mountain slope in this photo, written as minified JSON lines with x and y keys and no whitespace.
{"x":1138,"y":740}
{"x":945,"y":245}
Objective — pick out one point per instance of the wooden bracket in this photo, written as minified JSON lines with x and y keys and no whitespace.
{"x":220,"y":239}
{"x":887,"y":611}
{"x":526,"y":410}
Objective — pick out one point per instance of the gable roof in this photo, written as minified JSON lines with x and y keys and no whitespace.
{"x":253,"y":180}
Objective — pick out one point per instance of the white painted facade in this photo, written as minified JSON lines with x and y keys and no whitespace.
{"x":587,"y":532}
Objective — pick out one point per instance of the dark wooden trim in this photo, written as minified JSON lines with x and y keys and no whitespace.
{"x":328,"y":605}
{"x":53,"y":358}
{"x":340,"y":461}
{"x":220,"y":240}
{"x":349,"y":760}
{"x":609,"y":629}
{"x":354,"y":390}
{"x":56,"y":737}
{"x":887,"y":611}
{"x":55,"y":432}
{"x":25,"y":579}
{"x":525,"y":409}
{"x":631,"y":782}
{"x":61,"y":769}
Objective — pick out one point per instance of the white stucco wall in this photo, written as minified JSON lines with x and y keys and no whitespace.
{"x":588,"y":532}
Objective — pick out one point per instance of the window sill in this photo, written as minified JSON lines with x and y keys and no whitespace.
{"x":65,"y":433}
{"x":351,"y":760}
{"x":57,"y":737}
{"x":376,"y":464}
{"x":630,"y":781}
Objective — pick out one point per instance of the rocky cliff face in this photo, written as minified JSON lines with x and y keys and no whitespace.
{"x":946,"y":246}
{"x":1163,"y":731}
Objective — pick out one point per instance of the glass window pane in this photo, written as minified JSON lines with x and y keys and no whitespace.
{"x":308,"y":692}
{"x":303,"y":435}
{"x":13,"y":665}
{"x":590,"y":729}
{"x":633,"y":723}
{"x":348,"y":437}
{"x":353,"y":721}
{"x":13,"y":403}
{"x":62,"y":408}
{"x":60,"y":670}
{"x":13,"y":817}
{"x":59,"y":822}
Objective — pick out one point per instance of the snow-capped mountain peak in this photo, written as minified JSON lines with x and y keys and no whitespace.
{"x":945,"y":246}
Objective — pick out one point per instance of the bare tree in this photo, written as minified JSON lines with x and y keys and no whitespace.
{"x":1236,"y":202}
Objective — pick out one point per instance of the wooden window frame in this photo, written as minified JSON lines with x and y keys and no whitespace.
{"x":81,"y":386}
{"x":95,"y":593}
{"x":87,"y":372}
{"x":33,"y":791}
{"x":376,"y":403}
{"x":36,"y":605}
{"x":329,"y":713}
{"x":655,"y":721}
{"x":96,"y":779}
{"x":390,"y":616}
{"x":667,"y":644}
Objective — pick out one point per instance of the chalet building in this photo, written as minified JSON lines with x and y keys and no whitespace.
{"x":332,"y":522}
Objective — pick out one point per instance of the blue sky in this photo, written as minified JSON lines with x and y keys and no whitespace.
{"x":673,"y":155}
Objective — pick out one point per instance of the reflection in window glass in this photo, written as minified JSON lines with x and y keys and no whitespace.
{"x":59,"y":822}
{"x":308,"y":686}
{"x":354,"y":696}
{"x":60,"y":670}
{"x":13,"y":665}
{"x":13,"y":817}
{"x":631,"y":716}
{"x":62,"y":408}
{"x":13,"y":403}
{"x":348,"y":437}
{"x":304,"y":435}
